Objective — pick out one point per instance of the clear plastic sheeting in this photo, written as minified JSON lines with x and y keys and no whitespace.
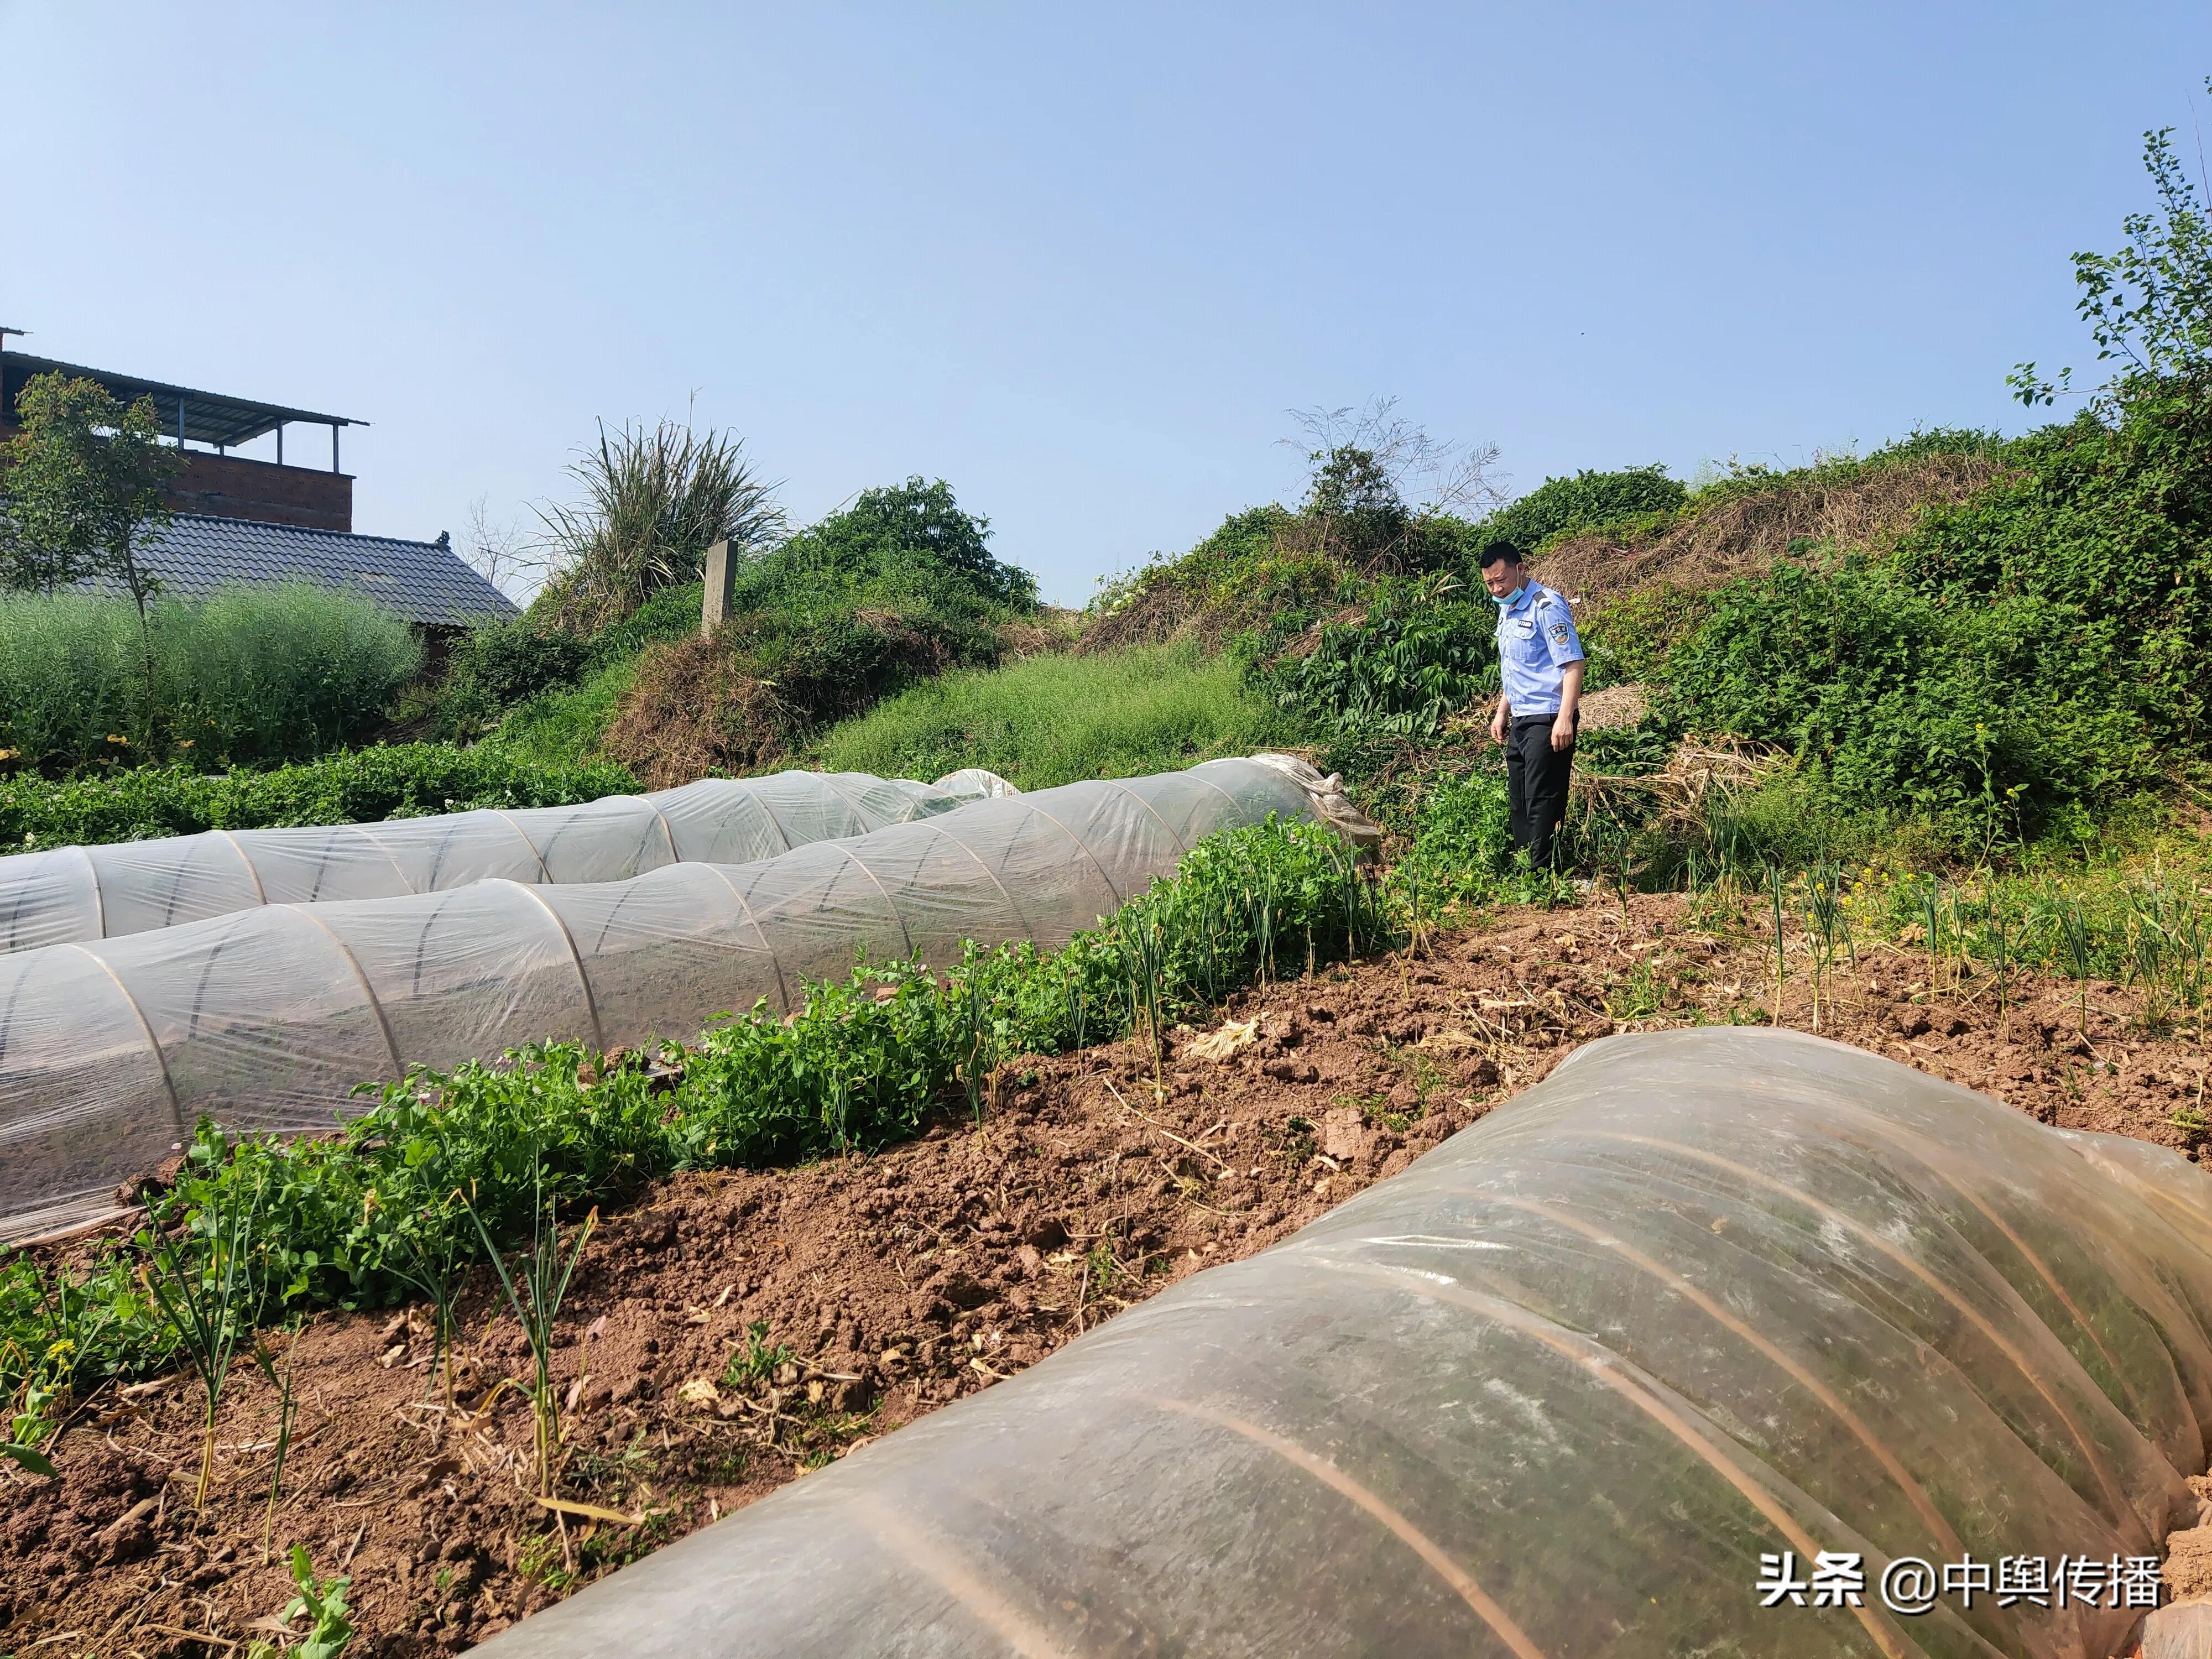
{"x":71,"y":893}
{"x":264,"y":1019}
{"x":1700,"y":1297}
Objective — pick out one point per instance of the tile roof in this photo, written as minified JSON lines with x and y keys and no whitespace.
{"x":424,"y":582}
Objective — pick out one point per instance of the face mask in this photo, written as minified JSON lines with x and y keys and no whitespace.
{"x":1510,"y":597}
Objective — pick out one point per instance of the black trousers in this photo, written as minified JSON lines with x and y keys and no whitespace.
{"x":1536,"y":784}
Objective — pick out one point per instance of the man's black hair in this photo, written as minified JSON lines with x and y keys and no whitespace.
{"x":1494,"y":548}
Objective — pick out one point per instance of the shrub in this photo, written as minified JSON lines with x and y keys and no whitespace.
{"x":364,"y":786}
{"x":1630,"y":636}
{"x":250,"y":676}
{"x":511,"y":662}
{"x":1052,"y":719}
{"x":1588,"y":501}
{"x":1463,"y":846}
{"x":1420,"y":652}
{"x":540,"y":688}
{"x":2108,"y":520}
{"x":1984,"y":717}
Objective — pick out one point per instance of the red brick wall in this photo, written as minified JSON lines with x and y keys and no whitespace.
{"x":235,"y":488}
{"x":240,"y":488}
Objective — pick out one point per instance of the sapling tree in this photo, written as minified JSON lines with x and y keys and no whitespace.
{"x":82,"y":490}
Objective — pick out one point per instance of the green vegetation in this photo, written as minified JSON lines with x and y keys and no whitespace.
{"x":895,"y":588}
{"x":1052,"y":720}
{"x":1636,"y":497}
{"x":1419,"y":650}
{"x":251,"y":676}
{"x":1270,"y":573}
{"x":258,"y":1228}
{"x":548,"y":692}
{"x":82,"y":489}
{"x":652,"y":501}
{"x":2029,"y":659}
{"x":366,"y":785}
{"x":554,"y":727}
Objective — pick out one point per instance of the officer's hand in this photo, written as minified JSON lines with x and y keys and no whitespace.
{"x":1498,"y":725}
{"x":1563,"y":734}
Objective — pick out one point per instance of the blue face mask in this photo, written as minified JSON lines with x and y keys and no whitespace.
{"x":1511,"y":598}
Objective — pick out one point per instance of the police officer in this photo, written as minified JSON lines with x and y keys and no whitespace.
{"x":1541,"y":660}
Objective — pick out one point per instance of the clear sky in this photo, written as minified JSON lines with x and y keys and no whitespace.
{"x":1080,"y":261}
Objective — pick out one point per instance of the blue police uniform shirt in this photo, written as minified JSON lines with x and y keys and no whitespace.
{"x":1536,"y":640}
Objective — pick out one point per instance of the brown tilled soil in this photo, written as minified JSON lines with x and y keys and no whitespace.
{"x":867,"y":1292}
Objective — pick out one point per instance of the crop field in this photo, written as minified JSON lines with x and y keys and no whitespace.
{"x":425,"y":1305}
{"x":725,"y":1332}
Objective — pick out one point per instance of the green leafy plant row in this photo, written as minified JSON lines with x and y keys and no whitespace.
{"x":366,"y":785}
{"x":400,"y":1201}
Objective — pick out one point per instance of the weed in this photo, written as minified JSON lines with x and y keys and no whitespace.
{"x":1639,"y":996}
{"x":756,"y":1361}
{"x":542,"y":1558}
{"x":279,"y":1378}
{"x":1052,"y":720}
{"x":321,"y":1601}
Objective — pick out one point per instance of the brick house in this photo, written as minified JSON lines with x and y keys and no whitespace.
{"x":243,"y":520}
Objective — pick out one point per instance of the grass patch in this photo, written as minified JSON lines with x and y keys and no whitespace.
{"x":1050,"y":720}
{"x":561,"y":726}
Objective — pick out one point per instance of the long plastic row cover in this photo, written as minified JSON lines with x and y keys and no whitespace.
{"x":265,"y":1019}
{"x":103,"y":892}
{"x":1701,"y":1298}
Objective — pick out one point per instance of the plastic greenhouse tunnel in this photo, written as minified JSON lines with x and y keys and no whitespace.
{"x":1717,"y":1342}
{"x":71,"y":893}
{"x":264,"y":1019}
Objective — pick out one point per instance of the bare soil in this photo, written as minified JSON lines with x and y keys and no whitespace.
{"x":869,"y":1291}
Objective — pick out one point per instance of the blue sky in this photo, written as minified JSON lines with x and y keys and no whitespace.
{"x":1078,"y":261}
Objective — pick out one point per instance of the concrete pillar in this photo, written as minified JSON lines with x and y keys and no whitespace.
{"x":722,"y":588}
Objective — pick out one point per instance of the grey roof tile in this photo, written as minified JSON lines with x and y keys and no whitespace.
{"x":424,"y":582}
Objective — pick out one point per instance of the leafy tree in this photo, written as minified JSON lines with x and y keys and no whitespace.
{"x":82,"y":493}
{"x":917,"y":523}
{"x":2148,"y":306}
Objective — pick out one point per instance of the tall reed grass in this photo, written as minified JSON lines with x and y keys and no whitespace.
{"x":250,"y":676}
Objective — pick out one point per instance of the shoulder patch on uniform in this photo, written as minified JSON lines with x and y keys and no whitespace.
{"x":1559,"y":631}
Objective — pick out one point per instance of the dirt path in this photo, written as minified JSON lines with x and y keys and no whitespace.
{"x":729,"y":1332}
